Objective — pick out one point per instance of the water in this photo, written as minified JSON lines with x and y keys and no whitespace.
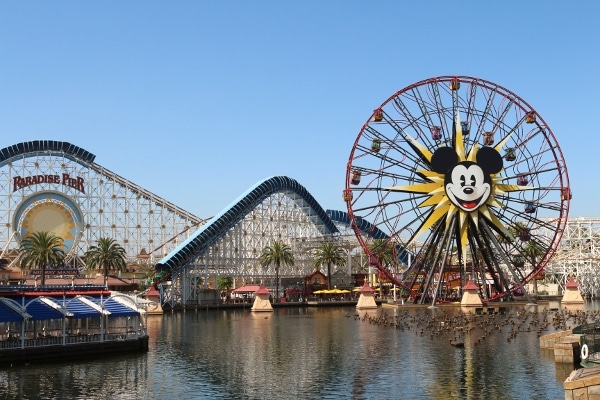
{"x":304,"y":353}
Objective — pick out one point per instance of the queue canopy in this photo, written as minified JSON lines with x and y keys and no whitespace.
{"x":44,"y":308}
{"x":11,"y":311}
{"x":82,"y":307}
{"x":118,"y":309}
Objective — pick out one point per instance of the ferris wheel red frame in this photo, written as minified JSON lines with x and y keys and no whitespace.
{"x":460,"y":174}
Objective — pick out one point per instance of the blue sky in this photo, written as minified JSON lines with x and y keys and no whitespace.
{"x":197,"y":101}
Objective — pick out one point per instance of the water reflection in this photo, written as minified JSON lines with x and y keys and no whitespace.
{"x":307,"y":353}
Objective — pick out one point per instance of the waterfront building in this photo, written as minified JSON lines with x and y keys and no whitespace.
{"x":45,"y":324}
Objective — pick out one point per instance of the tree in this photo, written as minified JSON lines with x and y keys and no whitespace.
{"x":386,"y":252}
{"x":107,"y":255}
{"x":224,"y":282}
{"x":507,"y":241}
{"x":329,"y":254}
{"x":531,"y":252}
{"x":278,"y":253}
{"x":40,"y":250}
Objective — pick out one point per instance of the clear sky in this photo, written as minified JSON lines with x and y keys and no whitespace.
{"x":197,"y":101}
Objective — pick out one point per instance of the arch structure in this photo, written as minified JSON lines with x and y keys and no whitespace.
{"x":277,"y":208}
{"x":55,"y":186}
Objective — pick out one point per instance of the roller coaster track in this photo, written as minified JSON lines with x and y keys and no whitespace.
{"x":202,"y":240}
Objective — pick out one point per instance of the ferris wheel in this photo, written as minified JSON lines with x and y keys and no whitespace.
{"x":459,"y":174}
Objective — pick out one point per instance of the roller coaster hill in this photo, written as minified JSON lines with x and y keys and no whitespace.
{"x":57,"y":186}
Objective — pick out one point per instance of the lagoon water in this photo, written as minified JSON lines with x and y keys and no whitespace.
{"x":298,"y":353}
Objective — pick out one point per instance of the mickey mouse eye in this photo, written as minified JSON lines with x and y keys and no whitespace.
{"x":462,"y":180}
{"x":473,"y":180}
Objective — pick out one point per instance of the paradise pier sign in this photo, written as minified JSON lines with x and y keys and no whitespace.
{"x":20,"y":182}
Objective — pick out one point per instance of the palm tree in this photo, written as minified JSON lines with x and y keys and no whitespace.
{"x":506,"y":241}
{"x":42,"y":249}
{"x":386,"y":252}
{"x":278,"y":253}
{"x":107,"y":255}
{"x":224,"y":283}
{"x":532,"y":251}
{"x":329,"y":254}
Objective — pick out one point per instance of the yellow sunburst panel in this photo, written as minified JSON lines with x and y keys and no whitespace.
{"x":49,"y":217}
{"x":443,"y":205}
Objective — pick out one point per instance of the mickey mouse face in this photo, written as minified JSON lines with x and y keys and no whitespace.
{"x":468,"y":184}
{"x":467,"y":187}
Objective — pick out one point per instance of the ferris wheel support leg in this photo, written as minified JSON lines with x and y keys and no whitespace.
{"x":446,"y":244}
{"x":506,"y":260}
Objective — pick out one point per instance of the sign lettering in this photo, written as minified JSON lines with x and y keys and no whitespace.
{"x":77,"y":183}
{"x":50,"y":271}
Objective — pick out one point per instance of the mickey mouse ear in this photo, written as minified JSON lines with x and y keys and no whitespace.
{"x":490,"y":160}
{"x":443,"y":159}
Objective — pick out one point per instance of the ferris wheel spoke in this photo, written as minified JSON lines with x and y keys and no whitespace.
{"x":499,"y":119}
{"x":421,"y":126}
{"x":433,"y":108}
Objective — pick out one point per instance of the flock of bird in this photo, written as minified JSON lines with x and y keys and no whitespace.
{"x":455,"y":325}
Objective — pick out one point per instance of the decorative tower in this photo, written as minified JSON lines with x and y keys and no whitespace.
{"x":367,"y":298}
{"x":470,"y":296}
{"x":572,"y":294}
{"x":153,"y":308}
{"x":261,"y":300}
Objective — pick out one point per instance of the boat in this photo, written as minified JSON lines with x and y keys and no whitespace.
{"x":589,"y":344}
{"x":46,"y":324}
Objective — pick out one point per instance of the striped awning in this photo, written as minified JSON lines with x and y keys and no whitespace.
{"x":83,"y":307}
{"x":118,"y":309}
{"x":46,"y":308}
{"x":11,"y":311}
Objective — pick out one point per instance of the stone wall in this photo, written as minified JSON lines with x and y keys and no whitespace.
{"x":583,"y":384}
{"x":548,"y":341}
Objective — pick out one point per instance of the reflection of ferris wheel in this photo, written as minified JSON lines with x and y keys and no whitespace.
{"x":458,"y":173}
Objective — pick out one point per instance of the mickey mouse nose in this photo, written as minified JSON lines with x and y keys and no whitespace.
{"x":468,"y":190}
